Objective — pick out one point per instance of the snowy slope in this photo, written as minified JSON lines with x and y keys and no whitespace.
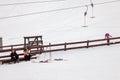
{"x":61,"y":23}
{"x":101,"y":63}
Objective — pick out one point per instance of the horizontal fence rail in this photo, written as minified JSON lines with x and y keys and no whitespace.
{"x":63,"y":46}
{"x":10,"y":47}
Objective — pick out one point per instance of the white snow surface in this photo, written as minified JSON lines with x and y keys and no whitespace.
{"x":98,"y":63}
{"x":101,"y":63}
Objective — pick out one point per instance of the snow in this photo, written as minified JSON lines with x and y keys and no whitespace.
{"x":98,"y":63}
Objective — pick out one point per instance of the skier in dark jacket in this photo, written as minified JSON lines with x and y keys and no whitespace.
{"x":14,"y":56}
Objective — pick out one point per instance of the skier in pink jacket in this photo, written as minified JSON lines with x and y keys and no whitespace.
{"x":108,"y":36}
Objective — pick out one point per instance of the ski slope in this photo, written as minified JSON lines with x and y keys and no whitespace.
{"x":66,"y":24}
{"x":98,"y":63}
{"x":101,"y":63}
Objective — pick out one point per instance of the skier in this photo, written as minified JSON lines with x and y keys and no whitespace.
{"x":14,"y":56}
{"x":108,"y":36}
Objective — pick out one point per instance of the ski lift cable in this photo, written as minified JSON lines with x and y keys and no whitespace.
{"x":107,"y":2}
{"x":27,"y":14}
{"x":35,"y":2}
{"x":34,"y":13}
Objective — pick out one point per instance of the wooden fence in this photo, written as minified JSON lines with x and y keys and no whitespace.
{"x":63,"y":46}
{"x":80,"y":44}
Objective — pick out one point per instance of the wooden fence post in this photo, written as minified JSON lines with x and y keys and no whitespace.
{"x":1,"y":43}
{"x":41,"y":49}
{"x":65,"y":46}
{"x":50,"y":56}
{"x":108,"y":41}
{"x":50,"y":46}
{"x":87,"y":43}
{"x":11,"y":47}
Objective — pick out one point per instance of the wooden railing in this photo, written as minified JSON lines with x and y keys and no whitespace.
{"x":82,"y":44}
{"x":10,"y":47}
{"x":64,"y":46}
{"x":55,"y":47}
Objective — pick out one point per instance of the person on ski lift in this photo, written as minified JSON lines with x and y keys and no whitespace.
{"x":14,"y":56}
{"x":108,"y":36}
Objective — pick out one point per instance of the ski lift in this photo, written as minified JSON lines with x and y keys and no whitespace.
{"x":85,"y":14}
{"x":92,"y":5}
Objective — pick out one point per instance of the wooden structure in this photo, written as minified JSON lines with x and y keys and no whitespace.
{"x":9,"y":60}
{"x":58,"y":47}
{"x":0,"y":42}
{"x":33,"y":41}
